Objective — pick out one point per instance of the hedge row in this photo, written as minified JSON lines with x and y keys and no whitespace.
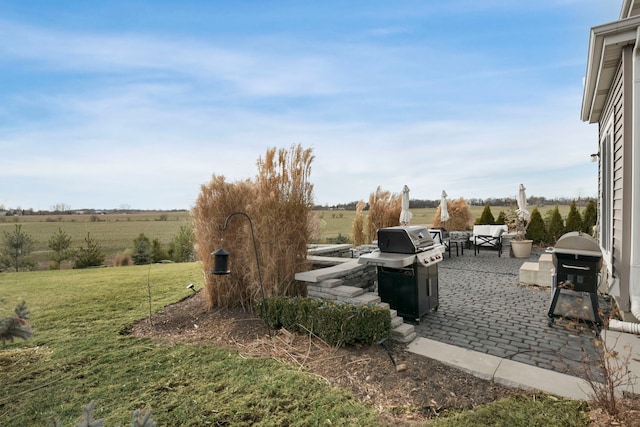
{"x":338,"y":324}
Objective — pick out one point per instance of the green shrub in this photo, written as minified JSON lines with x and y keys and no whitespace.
{"x":589,"y":217}
{"x":337,"y":324}
{"x":536,"y":230}
{"x":17,"y":245}
{"x":502,"y":218}
{"x":181,"y":246}
{"x":486,"y":218}
{"x":157,"y":251}
{"x":555,"y":229}
{"x":142,"y":253}
{"x":60,"y":243}
{"x":16,"y":326}
{"x":89,"y":255}
{"x":338,"y":240}
{"x":574,"y":220}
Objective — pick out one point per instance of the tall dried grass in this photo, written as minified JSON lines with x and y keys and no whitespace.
{"x":384,"y":211}
{"x":279,"y":203}
{"x":460,"y":216}
{"x":357,"y":228}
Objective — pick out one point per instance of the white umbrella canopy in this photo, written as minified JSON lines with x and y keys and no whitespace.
{"x":405,"y":215}
{"x":522,"y":211}
{"x":444,"y":213}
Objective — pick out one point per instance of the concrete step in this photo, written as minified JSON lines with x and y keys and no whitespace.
{"x":313,"y":293}
{"x":401,"y":332}
{"x":536,"y":273}
{"x":328,"y":283}
{"x":346,"y":291}
{"x":364,"y":299}
{"x":406,"y":339}
{"x":383,"y":304}
{"x":396,"y":321}
{"x":529,"y":273}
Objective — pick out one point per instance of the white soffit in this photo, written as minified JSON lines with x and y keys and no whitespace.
{"x":605,"y":49}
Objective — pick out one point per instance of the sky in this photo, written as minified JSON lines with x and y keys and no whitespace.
{"x":110,"y":104}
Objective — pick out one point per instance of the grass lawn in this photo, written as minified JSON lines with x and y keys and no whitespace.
{"x":80,"y":352}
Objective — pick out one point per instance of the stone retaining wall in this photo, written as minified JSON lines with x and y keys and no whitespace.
{"x":350,"y":273}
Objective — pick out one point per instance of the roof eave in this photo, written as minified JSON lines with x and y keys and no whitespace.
{"x":605,"y":41}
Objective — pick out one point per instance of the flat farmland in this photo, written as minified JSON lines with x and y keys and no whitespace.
{"x":114,"y":232}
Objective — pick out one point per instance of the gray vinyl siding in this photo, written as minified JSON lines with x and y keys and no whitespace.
{"x":623,"y":261}
{"x":620,"y":93}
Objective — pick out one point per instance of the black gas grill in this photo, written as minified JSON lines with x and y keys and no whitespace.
{"x":407,"y":264}
{"x":577,"y":260}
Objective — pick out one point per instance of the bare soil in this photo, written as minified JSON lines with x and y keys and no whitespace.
{"x":406,"y":389}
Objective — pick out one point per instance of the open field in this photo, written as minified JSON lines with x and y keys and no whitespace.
{"x":115,"y":232}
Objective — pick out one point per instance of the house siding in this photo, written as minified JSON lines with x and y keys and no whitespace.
{"x":619,"y":97}
{"x":623,"y":264}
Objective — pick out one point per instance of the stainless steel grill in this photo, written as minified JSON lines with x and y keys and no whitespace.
{"x":407,"y":265}
{"x":577,"y":259}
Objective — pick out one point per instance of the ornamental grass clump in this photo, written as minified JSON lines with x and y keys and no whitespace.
{"x":279,"y":202}
{"x":460,"y":216}
{"x":358,"y":225}
{"x":384,"y":211}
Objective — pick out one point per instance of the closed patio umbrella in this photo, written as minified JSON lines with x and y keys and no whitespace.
{"x":405,"y":215}
{"x":444,"y":213}
{"x":522,"y":211}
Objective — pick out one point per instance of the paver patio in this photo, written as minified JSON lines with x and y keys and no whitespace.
{"x":483,"y":308}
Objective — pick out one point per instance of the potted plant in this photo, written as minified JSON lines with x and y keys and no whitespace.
{"x":520,"y":245}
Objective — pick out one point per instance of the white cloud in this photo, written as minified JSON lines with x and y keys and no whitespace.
{"x":148,"y":118}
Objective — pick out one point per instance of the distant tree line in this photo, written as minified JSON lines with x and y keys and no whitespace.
{"x":63,"y":209}
{"x":504,"y":201}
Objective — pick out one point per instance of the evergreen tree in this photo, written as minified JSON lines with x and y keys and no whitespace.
{"x":502,"y":218}
{"x":157,"y":251}
{"x":536,"y":230}
{"x":17,"y":245}
{"x":181,"y":248}
{"x":589,"y":216}
{"x":574,"y":220}
{"x":59,"y":243}
{"x":142,"y":251}
{"x":16,"y":326}
{"x":556,"y":226}
{"x":486,"y":218}
{"x":89,"y":255}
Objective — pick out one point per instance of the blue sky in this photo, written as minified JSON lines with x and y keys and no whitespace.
{"x":106,"y":104}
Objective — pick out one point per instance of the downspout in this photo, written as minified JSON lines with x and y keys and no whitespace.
{"x":634,"y":272}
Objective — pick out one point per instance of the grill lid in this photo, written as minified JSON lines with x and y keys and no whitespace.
{"x":577,"y":243}
{"x":408,"y":239}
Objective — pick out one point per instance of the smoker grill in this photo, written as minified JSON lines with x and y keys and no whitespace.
{"x":577,"y":260}
{"x":407,"y":263}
